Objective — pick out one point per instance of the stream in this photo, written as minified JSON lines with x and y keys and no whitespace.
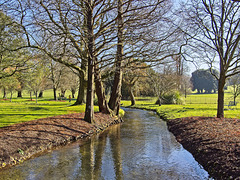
{"x":140,"y":148}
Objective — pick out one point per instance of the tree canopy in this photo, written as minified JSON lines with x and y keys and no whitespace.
{"x":203,"y":80}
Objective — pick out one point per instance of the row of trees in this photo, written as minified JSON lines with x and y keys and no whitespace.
{"x":102,"y":38}
{"x":39,"y":75}
{"x":91,"y":36}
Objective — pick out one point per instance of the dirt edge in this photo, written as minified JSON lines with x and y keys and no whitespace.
{"x":213,"y":142}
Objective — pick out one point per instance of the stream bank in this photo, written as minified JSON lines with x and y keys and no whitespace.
{"x":22,"y":141}
{"x":214,"y":143}
{"x":140,"y":148}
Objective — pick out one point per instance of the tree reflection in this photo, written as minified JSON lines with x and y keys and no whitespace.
{"x":92,"y":154}
{"x":116,"y":151}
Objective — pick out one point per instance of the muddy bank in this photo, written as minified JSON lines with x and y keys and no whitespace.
{"x":22,"y":141}
{"x":215,"y":143}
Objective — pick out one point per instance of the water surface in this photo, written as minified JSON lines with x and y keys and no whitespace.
{"x":140,"y":148}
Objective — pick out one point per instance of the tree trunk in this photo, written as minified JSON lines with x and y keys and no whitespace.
{"x":4,"y":93}
{"x":73,"y":92}
{"x":221,"y":84}
{"x":11,"y":96}
{"x":40,"y":94}
{"x":31,"y":95}
{"x":19,"y":95}
{"x":159,"y":101}
{"x":102,"y":102}
{"x":55,"y":93}
{"x":63,"y":93}
{"x":36,"y":95}
{"x":132,"y":96}
{"x":89,"y":111}
{"x":115,"y":98}
{"x":81,"y":94}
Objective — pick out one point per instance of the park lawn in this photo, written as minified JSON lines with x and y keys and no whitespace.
{"x":201,"y":105}
{"x":16,"y":112}
{"x":23,"y":109}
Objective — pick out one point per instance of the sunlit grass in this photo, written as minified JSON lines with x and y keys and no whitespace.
{"x":22,"y":109}
{"x":200,"y":106}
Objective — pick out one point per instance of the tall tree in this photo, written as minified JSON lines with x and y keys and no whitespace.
{"x":214,"y":29}
{"x":115,"y":98}
{"x":74,"y":28}
{"x":91,"y":31}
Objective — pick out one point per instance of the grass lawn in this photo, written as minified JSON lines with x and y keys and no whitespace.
{"x":194,"y":105}
{"x":23,"y":109}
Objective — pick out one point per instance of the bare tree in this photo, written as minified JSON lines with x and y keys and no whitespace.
{"x":214,"y":29}
{"x":164,"y":81}
{"x":133,"y":73}
{"x":71,"y":28}
{"x":92,"y":31}
{"x":234,"y":81}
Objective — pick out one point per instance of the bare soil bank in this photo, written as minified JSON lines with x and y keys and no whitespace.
{"x":22,"y":141}
{"x":214,"y":142}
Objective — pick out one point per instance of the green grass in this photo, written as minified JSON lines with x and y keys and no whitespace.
{"x":22,"y":109}
{"x":194,"y":105}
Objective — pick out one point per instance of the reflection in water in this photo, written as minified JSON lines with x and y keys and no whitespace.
{"x":93,"y":153}
{"x":140,"y":148}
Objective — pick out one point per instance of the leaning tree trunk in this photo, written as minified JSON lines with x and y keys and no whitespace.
{"x":159,"y":101}
{"x":89,"y":111}
{"x":234,"y":100}
{"x":102,"y":102}
{"x":133,"y":102}
{"x":221,"y":84}
{"x":115,"y":98}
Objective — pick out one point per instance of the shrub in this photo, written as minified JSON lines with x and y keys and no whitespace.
{"x":171,"y":98}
